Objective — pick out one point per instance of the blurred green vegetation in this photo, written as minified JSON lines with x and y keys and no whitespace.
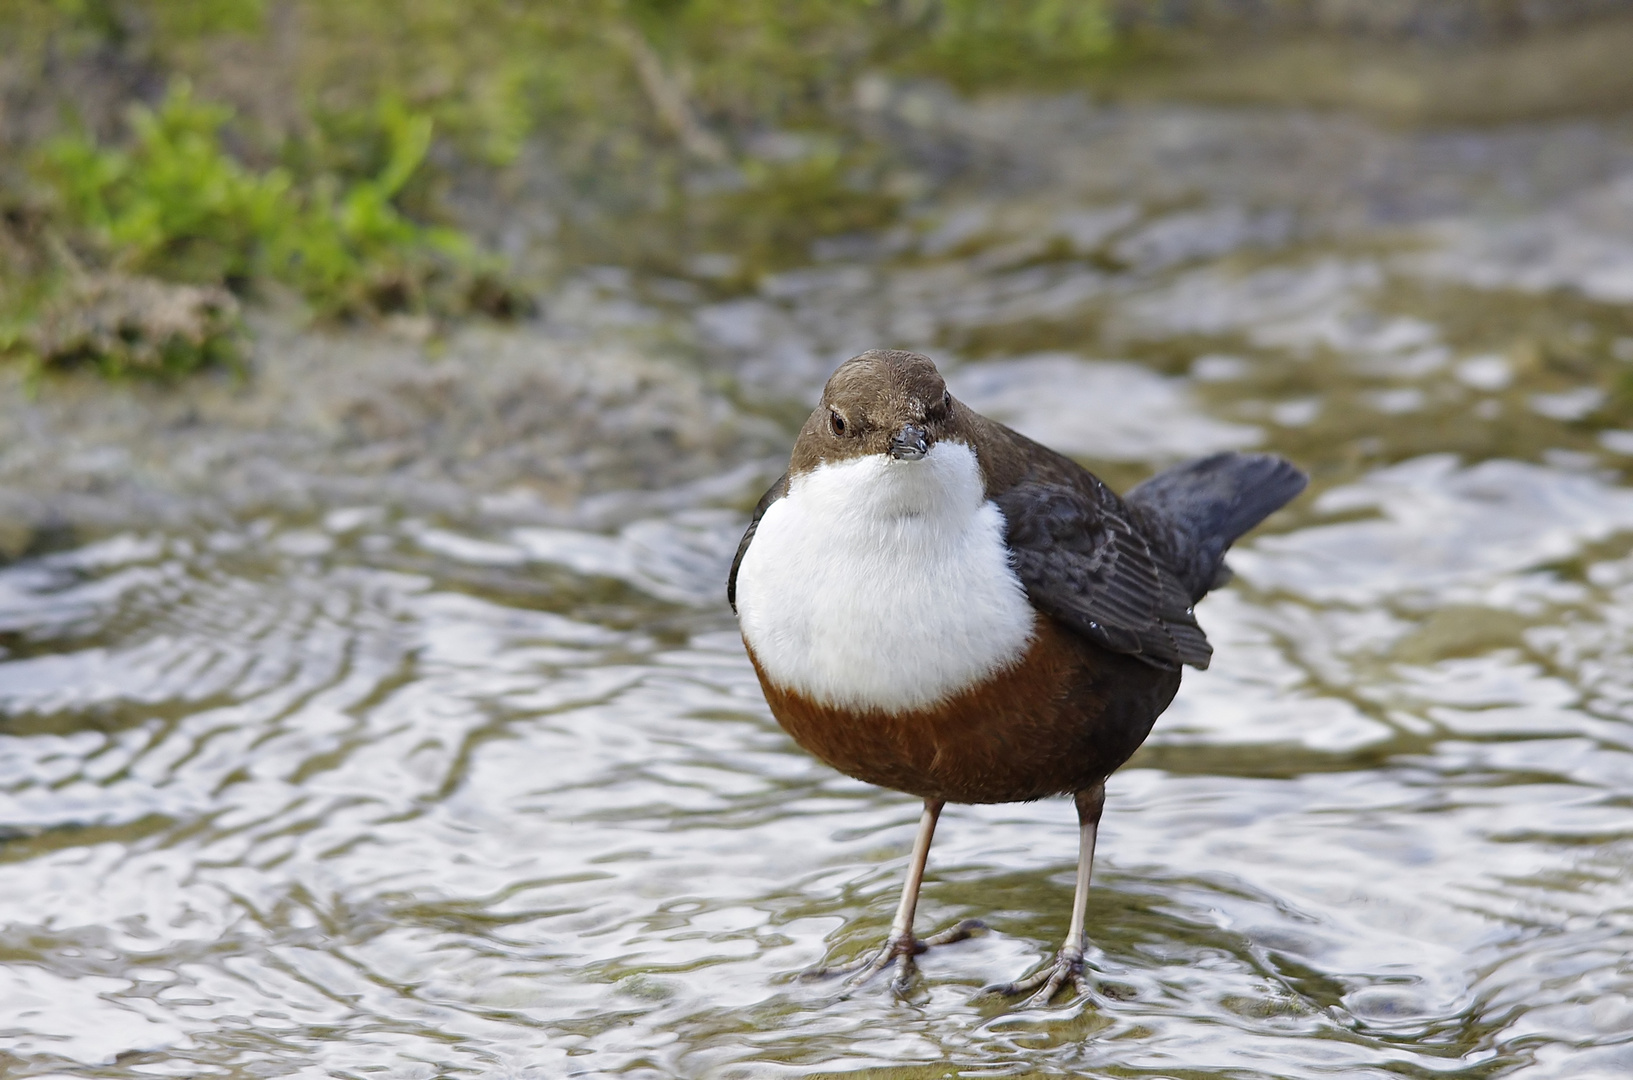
{"x":175,"y":205}
{"x":247,"y":144}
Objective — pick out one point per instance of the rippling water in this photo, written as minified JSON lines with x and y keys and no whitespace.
{"x":363,"y":794}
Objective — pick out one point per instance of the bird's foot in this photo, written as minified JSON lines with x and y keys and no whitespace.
{"x":900,"y":949}
{"x":1046,"y":982}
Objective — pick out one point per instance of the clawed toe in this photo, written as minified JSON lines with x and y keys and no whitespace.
{"x":899,"y":951}
{"x":1044,"y":984}
{"x":870,"y":964}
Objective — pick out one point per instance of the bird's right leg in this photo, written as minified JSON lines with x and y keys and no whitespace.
{"x":1068,"y":965}
{"x":901,"y":945}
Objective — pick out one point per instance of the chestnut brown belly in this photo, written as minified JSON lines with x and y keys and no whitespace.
{"x":1058,"y":721}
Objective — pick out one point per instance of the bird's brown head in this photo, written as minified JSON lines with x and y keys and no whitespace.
{"x":881,"y":402}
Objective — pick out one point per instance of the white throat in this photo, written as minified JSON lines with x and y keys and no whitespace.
{"x":882,"y":583}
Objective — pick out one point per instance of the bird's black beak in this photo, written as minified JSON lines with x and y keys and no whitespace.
{"x":910,"y":443}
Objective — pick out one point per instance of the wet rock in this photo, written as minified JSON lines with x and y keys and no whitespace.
{"x":515,"y":423}
{"x":136,"y":324}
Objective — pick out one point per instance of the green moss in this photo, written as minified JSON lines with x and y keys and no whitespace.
{"x":978,"y":43}
{"x":304,"y":155}
{"x":773,"y":221}
{"x":175,"y":205}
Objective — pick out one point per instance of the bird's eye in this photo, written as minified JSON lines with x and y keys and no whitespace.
{"x":947,"y":400}
{"x":838,"y":423}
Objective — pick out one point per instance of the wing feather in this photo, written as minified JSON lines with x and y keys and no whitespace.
{"x":1085,"y":562}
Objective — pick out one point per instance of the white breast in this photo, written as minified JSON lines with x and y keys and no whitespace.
{"x":883,"y":583}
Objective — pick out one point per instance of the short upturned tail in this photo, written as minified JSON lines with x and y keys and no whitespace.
{"x":1198,"y":509}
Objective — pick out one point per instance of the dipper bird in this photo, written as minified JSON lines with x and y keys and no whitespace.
{"x":937,"y":604}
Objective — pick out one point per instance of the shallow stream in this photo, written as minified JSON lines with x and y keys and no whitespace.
{"x":362,"y":791}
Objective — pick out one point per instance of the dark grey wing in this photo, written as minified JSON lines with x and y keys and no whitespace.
{"x":775,"y":492}
{"x":1084,"y":561}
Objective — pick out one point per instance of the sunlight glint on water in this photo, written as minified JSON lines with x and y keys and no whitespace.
{"x":255,"y":799}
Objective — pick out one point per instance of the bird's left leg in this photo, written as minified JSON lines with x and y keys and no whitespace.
{"x":1068,"y":965}
{"x":901,"y":945}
